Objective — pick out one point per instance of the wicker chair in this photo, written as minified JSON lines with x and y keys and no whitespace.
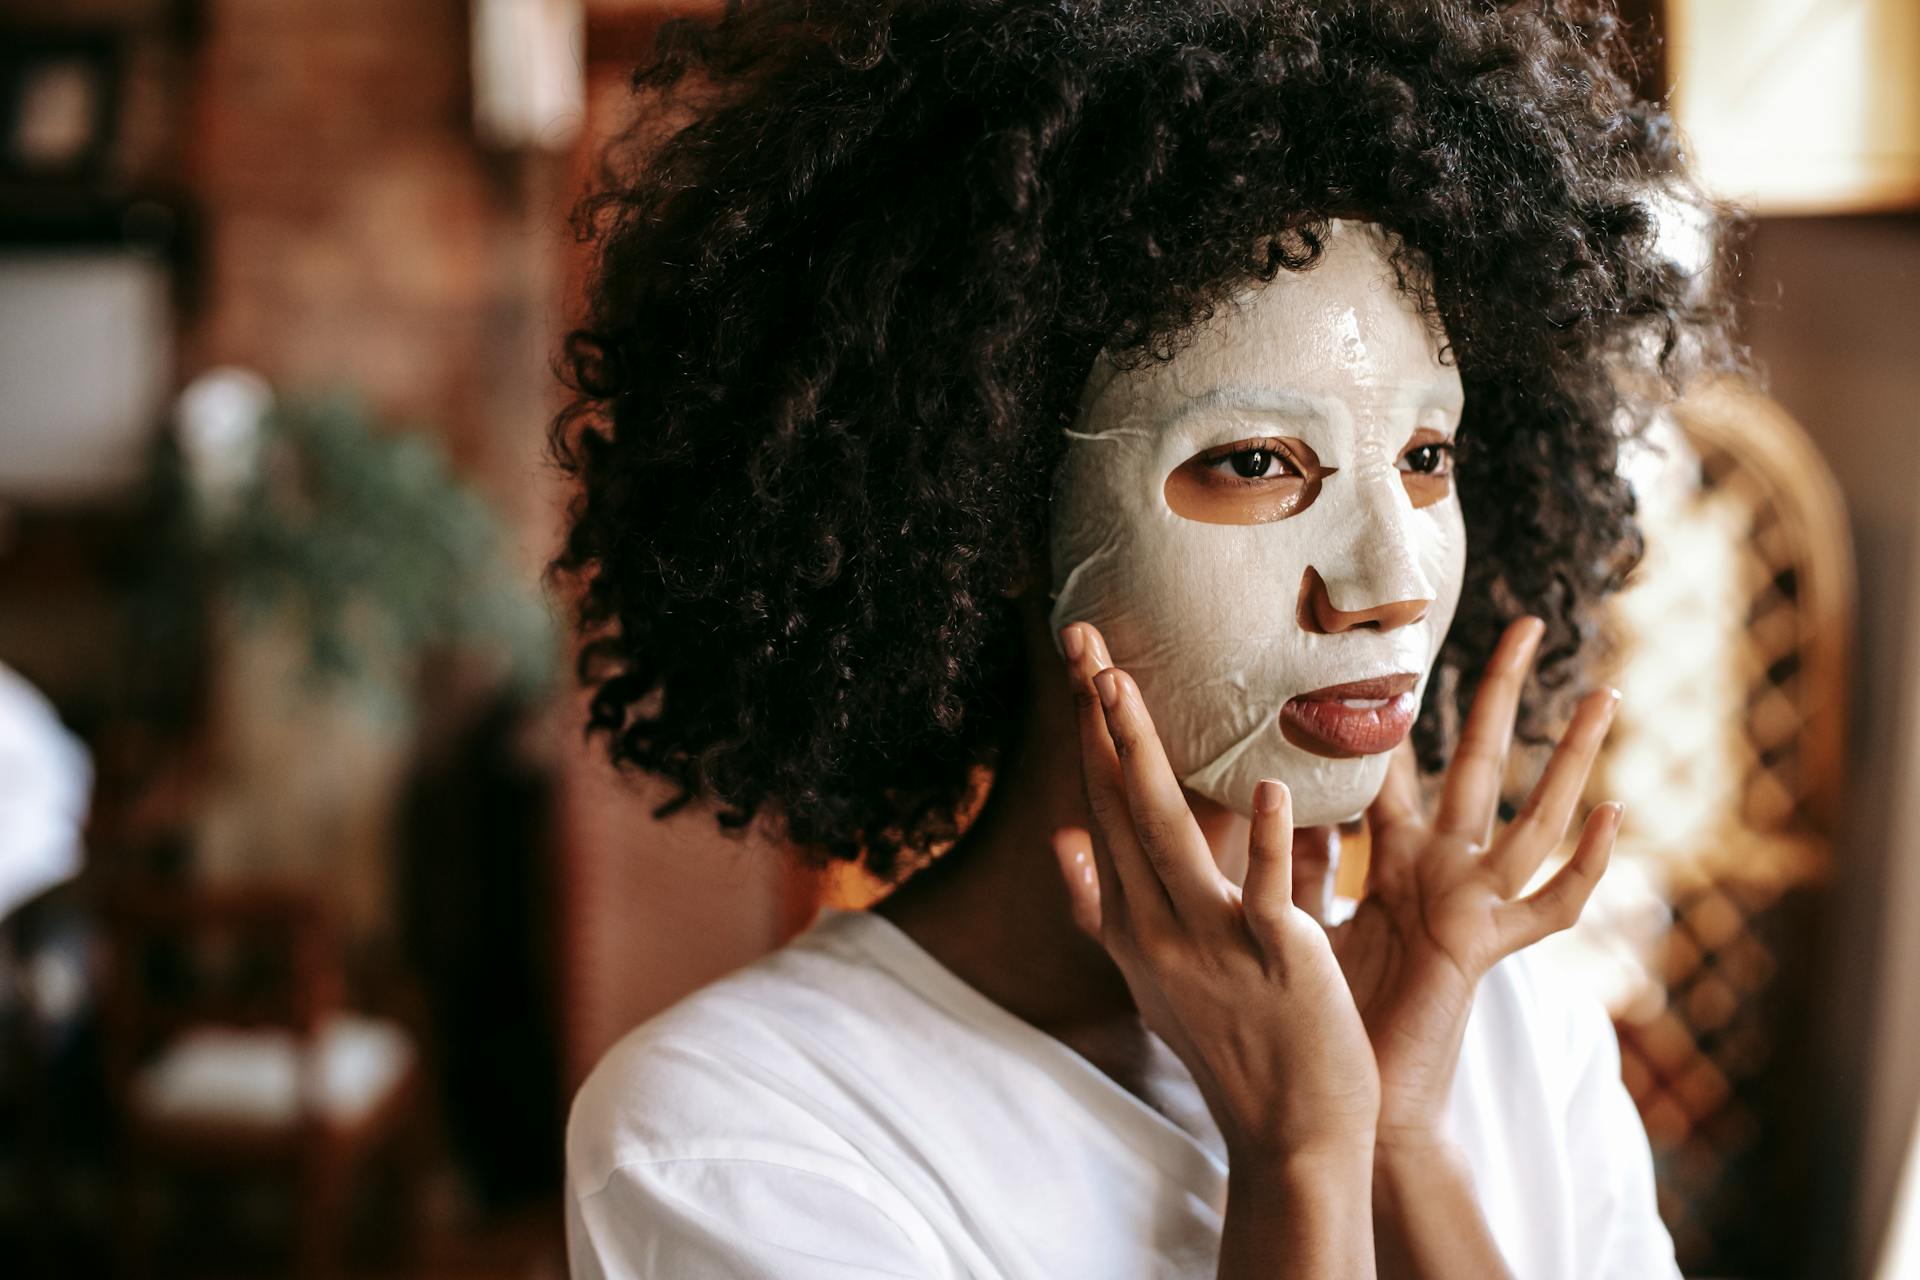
{"x":1731,"y":649}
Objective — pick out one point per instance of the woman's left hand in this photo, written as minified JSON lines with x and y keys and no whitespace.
{"x":1440,"y":907}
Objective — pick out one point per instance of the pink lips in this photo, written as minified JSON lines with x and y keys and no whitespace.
{"x":1359,"y":718}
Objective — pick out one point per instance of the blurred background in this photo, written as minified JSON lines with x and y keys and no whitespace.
{"x":314,"y":909}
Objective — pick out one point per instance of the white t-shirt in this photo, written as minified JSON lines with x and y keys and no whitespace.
{"x":848,"y":1106}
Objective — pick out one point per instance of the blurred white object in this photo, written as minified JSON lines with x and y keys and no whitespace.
{"x":1614,"y":952}
{"x":1800,"y":106}
{"x":256,"y":1076}
{"x":529,"y":72}
{"x":1683,"y":230}
{"x":217,"y":423}
{"x":85,"y":357}
{"x":46,"y":784}
{"x":1902,"y":1256}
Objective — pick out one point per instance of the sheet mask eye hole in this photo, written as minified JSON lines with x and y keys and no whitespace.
{"x":1247,"y":482}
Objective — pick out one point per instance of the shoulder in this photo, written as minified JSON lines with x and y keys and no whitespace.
{"x":787,"y":1060}
{"x":726,"y":1072}
{"x":713,"y":1140}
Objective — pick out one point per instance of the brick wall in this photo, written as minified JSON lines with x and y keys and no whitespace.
{"x":355,"y":231}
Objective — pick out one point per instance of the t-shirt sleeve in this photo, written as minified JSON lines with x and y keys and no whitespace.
{"x":728,"y":1218}
{"x":1617,"y":1222}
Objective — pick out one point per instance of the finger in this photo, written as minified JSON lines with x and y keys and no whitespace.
{"x":1316,"y":852}
{"x":1163,"y":824}
{"x":1130,"y":894}
{"x":1073,"y":850}
{"x":1542,"y":823}
{"x":1100,"y":779}
{"x":1556,"y":904}
{"x":1267,"y":894}
{"x":1394,"y":824}
{"x":1096,"y":646}
{"x":1471,"y":796}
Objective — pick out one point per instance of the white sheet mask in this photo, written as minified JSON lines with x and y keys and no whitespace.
{"x":1208,"y":617}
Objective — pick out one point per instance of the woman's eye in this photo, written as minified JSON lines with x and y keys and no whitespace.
{"x":1435,"y":459}
{"x":1254,"y":464}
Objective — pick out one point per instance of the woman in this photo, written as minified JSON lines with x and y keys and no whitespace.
{"x":1044,"y":451}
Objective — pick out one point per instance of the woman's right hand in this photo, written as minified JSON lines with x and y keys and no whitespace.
{"x":1241,"y":984}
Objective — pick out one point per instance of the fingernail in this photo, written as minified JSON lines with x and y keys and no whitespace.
{"x":1518,"y":645}
{"x":1073,"y":642}
{"x":1108,"y":685}
{"x":1529,"y":639}
{"x":1266,"y":795}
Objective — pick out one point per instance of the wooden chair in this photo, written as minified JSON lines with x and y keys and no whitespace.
{"x":228,"y":1049}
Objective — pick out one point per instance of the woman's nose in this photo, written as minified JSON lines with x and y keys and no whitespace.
{"x":1319,"y":615}
{"x":1372,"y":566}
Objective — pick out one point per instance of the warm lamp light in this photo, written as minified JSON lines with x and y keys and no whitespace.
{"x":1800,"y":106}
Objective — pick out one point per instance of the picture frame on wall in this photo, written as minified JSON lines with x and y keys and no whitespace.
{"x":59,"y":99}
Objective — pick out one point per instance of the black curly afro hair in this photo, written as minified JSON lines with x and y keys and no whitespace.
{"x":852,"y":265}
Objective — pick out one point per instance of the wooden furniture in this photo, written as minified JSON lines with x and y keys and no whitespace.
{"x":1733,"y":648}
{"x":228,"y":1049}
